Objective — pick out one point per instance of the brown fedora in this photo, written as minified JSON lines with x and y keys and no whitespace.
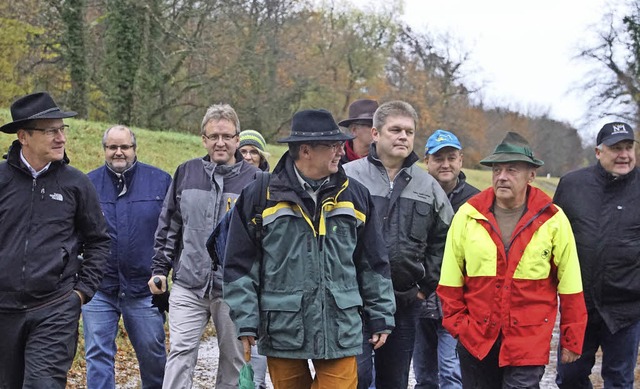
{"x":32,"y":107}
{"x":360,"y":110}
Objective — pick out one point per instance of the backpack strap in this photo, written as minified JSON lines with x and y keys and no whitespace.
{"x":263,"y":186}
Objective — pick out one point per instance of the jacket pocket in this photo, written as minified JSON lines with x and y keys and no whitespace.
{"x":348,"y":323}
{"x":419,"y":222}
{"x":281,"y":315}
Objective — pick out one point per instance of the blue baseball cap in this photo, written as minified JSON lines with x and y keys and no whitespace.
{"x":440,"y":139}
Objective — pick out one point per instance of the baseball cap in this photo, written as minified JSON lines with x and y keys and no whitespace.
{"x":440,"y":139}
{"x":612,"y":133}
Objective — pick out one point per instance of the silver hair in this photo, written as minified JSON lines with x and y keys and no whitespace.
{"x":119,"y":127}
{"x":218,"y":112}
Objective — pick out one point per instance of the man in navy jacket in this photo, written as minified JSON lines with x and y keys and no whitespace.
{"x":131,"y":195}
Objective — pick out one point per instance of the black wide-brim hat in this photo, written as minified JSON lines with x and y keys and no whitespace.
{"x":32,"y":107}
{"x":513,"y":148}
{"x":314,"y":125}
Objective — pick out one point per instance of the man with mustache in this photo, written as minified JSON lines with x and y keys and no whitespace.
{"x":510,"y":254}
{"x":131,"y":195}
{"x":416,"y":215}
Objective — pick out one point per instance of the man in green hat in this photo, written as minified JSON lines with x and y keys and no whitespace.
{"x":510,"y":254}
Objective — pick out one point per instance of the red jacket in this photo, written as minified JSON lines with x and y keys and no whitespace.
{"x":488,"y":292}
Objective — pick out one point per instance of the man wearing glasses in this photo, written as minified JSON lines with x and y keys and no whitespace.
{"x":300,"y":286}
{"x":131,"y":195}
{"x":202,"y":191}
{"x":53,"y":245}
{"x":416,"y":215}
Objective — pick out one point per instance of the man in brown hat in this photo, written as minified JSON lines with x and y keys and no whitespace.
{"x":603,"y":205}
{"x":319,"y":263}
{"x":359,"y":123}
{"x":509,"y":254}
{"x":53,"y":245}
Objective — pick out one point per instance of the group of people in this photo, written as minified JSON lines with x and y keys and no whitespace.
{"x":352,"y":257}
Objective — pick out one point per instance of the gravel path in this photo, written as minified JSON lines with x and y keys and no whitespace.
{"x":208,"y":362}
{"x":204,"y":376}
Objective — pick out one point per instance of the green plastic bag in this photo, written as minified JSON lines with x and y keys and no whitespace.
{"x":245,"y":381}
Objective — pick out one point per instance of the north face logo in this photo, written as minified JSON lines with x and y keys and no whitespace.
{"x":56,"y":196}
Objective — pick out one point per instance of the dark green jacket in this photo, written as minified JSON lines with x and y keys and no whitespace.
{"x":321,"y":268}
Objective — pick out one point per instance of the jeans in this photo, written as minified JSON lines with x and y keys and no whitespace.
{"x":188,"y":318}
{"x":259,"y":365}
{"x":619,"y":357}
{"x":435,"y":360}
{"x":38,"y":346}
{"x":487,"y":374}
{"x":145,"y":329}
{"x":393,"y":359}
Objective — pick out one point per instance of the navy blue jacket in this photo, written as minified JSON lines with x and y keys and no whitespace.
{"x":132,"y":220}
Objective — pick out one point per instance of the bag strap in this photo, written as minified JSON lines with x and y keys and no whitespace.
{"x":263,"y":186}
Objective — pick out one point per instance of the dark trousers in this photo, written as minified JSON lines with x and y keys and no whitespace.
{"x":619,"y":356}
{"x":393,"y":359}
{"x":38,"y":346}
{"x":486,"y":373}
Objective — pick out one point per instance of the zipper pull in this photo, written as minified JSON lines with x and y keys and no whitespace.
{"x":42,"y":193}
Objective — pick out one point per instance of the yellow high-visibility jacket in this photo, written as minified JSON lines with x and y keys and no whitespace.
{"x":489,"y":291}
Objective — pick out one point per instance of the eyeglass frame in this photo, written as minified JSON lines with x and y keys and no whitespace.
{"x":254,"y":152}
{"x":335,"y":146}
{"x":216,"y":137}
{"x":50,"y":132}
{"x":121,"y":147}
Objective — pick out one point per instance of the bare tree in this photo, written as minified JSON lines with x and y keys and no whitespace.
{"x":614,"y":83}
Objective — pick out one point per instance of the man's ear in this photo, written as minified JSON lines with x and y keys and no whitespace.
{"x":22,"y":136}
{"x":375,"y":134}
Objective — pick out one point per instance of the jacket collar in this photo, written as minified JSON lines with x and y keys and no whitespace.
{"x":374,"y":159}
{"x":610,"y":178}
{"x":224,"y":170}
{"x":13,"y":158}
{"x":462,"y":179}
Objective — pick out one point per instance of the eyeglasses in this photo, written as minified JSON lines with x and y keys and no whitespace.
{"x":252,"y":152}
{"x":121,"y":147}
{"x":51,"y":131}
{"x":333,"y":146}
{"x":217,"y":137}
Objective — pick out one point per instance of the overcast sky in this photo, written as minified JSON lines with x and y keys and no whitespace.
{"x":521,"y":49}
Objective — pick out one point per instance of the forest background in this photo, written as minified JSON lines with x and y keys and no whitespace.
{"x":158,"y":64}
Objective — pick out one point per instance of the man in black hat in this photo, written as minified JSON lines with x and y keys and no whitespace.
{"x":602,"y":203}
{"x":301,"y":282}
{"x":359,"y":123}
{"x":53,"y":245}
{"x":416,"y":215}
{"x":509,"y":256}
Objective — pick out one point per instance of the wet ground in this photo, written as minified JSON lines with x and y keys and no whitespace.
{"x":204,"y":376}
{"x":208,"y":362}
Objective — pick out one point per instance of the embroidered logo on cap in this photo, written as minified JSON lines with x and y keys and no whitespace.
{"x":619,"y":129}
